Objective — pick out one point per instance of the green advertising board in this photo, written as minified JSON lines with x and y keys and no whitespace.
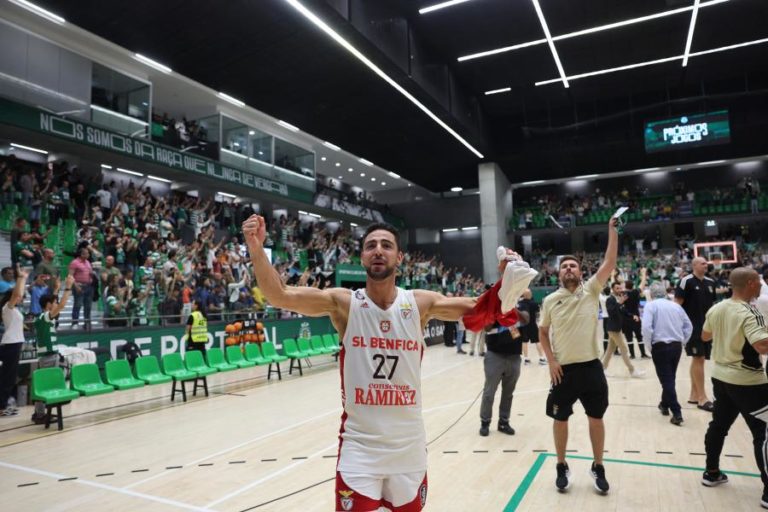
{"x":158,"y":341}
{"x":688,"y":131}
{"x":74,"y":130}
{"x":346,"y":273}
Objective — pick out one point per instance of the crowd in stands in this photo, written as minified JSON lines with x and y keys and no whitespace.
{"x":142,"y":256}
{"x":573,"y":209}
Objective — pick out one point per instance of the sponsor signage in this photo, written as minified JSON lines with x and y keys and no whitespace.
{"x":74,"y":130}
{"x":688,"y":132}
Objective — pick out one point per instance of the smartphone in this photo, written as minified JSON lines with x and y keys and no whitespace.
{"x":620,"y":212}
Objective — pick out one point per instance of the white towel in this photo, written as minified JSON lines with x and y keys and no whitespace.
{"x":517,"y":276}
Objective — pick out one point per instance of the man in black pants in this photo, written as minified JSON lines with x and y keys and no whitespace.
{"x":739,"y":335}
{"x":631,"y":325}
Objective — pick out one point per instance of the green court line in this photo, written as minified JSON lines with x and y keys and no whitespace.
{"x":522,"y":489}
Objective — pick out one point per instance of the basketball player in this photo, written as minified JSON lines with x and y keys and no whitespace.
{"x":696,"y":293}
{"x":739,"y":335}
{"x":574,"y":357}
{"x":382,"y":444}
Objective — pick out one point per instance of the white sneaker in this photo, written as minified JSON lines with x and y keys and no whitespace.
{"x":542,"y":361}
{"x":637,"y":373}
{"x":526,"y":361}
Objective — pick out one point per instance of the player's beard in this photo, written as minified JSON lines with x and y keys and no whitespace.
{"x":381,"y":274}
{"x":570,"y":279}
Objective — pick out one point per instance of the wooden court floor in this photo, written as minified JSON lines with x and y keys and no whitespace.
{"x":271,"y":446}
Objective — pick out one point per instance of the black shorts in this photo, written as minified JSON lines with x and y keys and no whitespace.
{"x":584,"y":382}
{"x":529,"y":333}
{"x":697,"y":348}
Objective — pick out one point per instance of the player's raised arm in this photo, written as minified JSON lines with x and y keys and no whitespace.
{"x":611,"y":253}
{"x":436,"y":305}
{"x":304,"y":300}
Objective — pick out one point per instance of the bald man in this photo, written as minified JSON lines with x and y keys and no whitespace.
{"x":739,"y":335}
{"x":696,"y":293}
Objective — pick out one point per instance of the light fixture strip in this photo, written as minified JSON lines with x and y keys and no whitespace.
{"x":24,"y":4}
{"x":332,"y":146}
{"x":128,"y":171}
{"x":366,"y":162}
{"x":498,"y":91}
{"x":157,"y":178}
{"x":227,"y":195}
{"x":288,"y":125}
{"x":28,"y":148}
{"x":591,"y":30}
{"x":373,"y":67}
{"x":657,"y":61}
{"x":551,"y":43}
{"x":152,"y":63}
{"x":691,"y":28}
{"x":230,"y":99}
{"x":441,"y":5}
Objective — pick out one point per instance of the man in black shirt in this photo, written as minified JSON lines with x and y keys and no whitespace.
{"x":530,"y":330}
{"x":696,"y":293}
{"x":632,"y":327}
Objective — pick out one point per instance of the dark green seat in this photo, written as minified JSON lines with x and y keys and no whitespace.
{"x":216,"y":360}
{"x":316,"y":343}
{"x":119,"y":375}
{"x":173,"y":366}
{"x":193,"y":360}
{"x":148,"y":370}
{"x":49,"y":387}
{"x":87,"y":381}
{"x":235,"y":356}
{"x":270,"y":354}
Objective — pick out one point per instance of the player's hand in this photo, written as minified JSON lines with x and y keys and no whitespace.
{"x":613,"y":222}
{"x":555,"y":372}
{"x":255,"y":231}
{"x":69,"y":281}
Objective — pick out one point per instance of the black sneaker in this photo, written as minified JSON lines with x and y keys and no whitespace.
{"x":764,"y":499}
{"x":505,"y":428}
{"x":676,"y":420}
{"x":563,"y":480}
{"x":598,"y":475}
{"x":664,"y":410}
{"x":714,"y":479}
{"x":484,"y":430}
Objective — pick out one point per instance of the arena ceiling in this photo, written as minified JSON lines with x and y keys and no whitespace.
{"x":269,"y":53}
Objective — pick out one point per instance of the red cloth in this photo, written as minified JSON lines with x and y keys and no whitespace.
{"x":487,"y":311}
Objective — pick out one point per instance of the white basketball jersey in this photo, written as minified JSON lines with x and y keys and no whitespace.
{"x":382,"y":430}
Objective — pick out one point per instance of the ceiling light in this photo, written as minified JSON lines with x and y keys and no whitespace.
{"x":158,"y":179}
{"x":353,"y":224}
{"x":456,"y":189}
{"x":657,"y":61}
{"x":302,"y":212}
{"x":314,"y":215}
{"x":649,"y":169}
{"x":362,"y":175}
{"x":441,"y":5}
{"x":394,"y":175}
{"x":712,"y":162}
{"x":534,"y":182}
{"x":323,"y":158}
{"x":232,"y":100}
{"x":366,"y":162}
{"x":28,"y":148}
{"x":551,"y":43}
{"x":350,"y":169}
{"x":383,"y":183}
{"x":373,"y":67}
{"x":373,"y":178}
{"x":498,"y":91}
{"x":39,"y":11}
{"x":105,"y":166}
{"x":261,"y":152}
{"x":128,"y":171}
{"x":227,"y":195}
{"x":332,"y":146}
{"x":285,"y":124}
{"x":586,"y":177}
{"x":691,"y":28}
{"x":341,"y":178}
{"x":152,"y":63}
{"x":251,"y":132}
{"x":591,"y":30}
{"x":410,"y":184}
{"x":469,"y":228}
{"x":338,"y":164}
{"x":450,"y":230}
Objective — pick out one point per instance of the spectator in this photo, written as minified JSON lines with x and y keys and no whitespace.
{"x":82,"y":271}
